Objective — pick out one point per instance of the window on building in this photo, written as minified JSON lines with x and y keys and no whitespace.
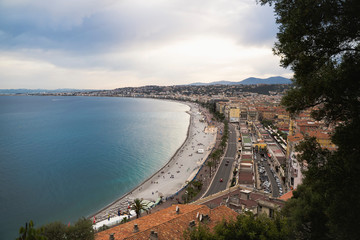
{"x":271,"y":212}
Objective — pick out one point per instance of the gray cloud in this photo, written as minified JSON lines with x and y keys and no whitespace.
{"x":142,"y":40}
{"x":89,"y":26}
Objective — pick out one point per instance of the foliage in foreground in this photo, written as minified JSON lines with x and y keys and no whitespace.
{"x":30,"y":233}
{"x":81,"y":230}
{"x":246,"y":226}
{"x":320,"y":42}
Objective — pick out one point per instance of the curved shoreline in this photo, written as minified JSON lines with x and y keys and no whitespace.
{"x":181,"y":168}
{"x":157,"y":172}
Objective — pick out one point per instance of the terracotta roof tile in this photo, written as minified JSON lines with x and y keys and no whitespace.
{"x":286,"y":196}
{"x":167,"y":223}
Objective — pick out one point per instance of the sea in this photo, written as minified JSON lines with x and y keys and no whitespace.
{"x":63,"y":158}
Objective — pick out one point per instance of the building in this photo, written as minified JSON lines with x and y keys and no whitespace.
{"x":323,"y":138}
{"x":252,"y":114}
{"x":220,"y":107}
{"x":242,"y":199}
{"x":234,"y":114}
{"x":169,"y":223}
{"x":305,"y":126}
{"x":294,"y":168}
{"x":278,"y":158}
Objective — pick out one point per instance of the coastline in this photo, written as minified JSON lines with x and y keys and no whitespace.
{"x":150,"y":189}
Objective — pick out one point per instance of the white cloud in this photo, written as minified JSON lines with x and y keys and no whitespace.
{"x":109,"y":44}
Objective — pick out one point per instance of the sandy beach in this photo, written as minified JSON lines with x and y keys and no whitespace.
{"x":180,"y":169}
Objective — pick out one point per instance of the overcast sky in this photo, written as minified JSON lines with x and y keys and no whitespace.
{"x":105,"y":44}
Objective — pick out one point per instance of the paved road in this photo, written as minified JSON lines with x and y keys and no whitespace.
{"x":224,"y":172}
{"x":274,"y":186}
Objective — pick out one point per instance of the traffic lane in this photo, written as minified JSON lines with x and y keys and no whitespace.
{"x":231,"y":150}
{"x":224,"y":172}
{"x":232,"y":135}
{"x":274,"y":186}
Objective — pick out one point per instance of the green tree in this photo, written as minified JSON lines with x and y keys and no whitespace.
{"x":210,"y":164}
{"x":223,"y":143}
{"x":124,"y":220}
{"x":306,"y":211}
{"x":319,"y":41}
{"x":138,"y":206}
{"x":197,"y":184}
{"x":81,"y":230}
{"x":30,"y":233}
{"x":267,"y":122}
{"x":105,"y":227}
{"x":216,"y":155}
{"x":192,"y":190}
{"x":201,"y":232}
{"x":55,"y":231}
{"x":245,"y":226}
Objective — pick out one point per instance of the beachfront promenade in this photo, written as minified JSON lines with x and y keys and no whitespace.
{"x":181,"y":169}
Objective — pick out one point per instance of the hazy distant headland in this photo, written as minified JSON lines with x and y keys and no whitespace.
{"x":250,"y":81}
{"x":39,"y":91}
{"x":253,"y":85}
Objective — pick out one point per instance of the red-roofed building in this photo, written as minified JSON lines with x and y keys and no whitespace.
{"x":168,"y":223}
{"x":244,"y":199}
{"x":323,"y":138}
{"x":305,"y":126}
{"x":287,"y":196}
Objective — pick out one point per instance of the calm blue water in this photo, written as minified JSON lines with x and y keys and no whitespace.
{"x":66,"y":157}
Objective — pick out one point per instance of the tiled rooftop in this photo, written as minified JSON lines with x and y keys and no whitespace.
{"x":287,"y":196}
{"x":167,"y":223}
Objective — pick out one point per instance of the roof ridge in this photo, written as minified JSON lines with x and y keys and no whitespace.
{"x":171,"y":219}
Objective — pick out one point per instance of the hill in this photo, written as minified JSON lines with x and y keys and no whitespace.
{"x":249,"y":81}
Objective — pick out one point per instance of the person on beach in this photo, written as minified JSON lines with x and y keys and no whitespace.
{"x":109,"y":217}
{"x":119,"y":212}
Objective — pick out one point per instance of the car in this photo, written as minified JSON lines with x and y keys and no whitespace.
{"x":221,"y":179}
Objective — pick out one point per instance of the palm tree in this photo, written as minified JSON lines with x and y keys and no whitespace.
{"x":216,"y":156}
{"x":223,"y":144}
{"x":29,"y":232}
{"x":138,"y":206}
{"x":210,"y":164}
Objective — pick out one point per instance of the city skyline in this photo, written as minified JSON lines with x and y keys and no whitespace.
{"x":110,"y":44}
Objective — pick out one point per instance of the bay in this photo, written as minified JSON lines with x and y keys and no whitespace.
{"x":66,"y":157}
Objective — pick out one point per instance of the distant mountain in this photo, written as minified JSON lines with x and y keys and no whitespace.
{"x":199,"y":84}
{"x":249,"y":81}
{"x":270,"y":80}
{"x":35,"y":91}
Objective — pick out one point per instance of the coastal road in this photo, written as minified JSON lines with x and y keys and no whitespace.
{"x":224,"y":171}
